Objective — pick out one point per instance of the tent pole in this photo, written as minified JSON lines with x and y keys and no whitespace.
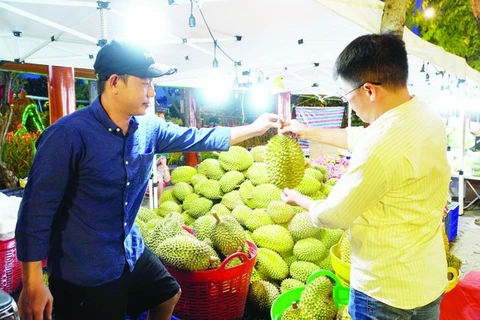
{"x":40,"y":47}
{"x":47,"y":22}
{"x":461,"y":177}
{"x":61,"y":91}
{"x":56,"y":2}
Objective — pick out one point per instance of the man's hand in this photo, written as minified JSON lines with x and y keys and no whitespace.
{"x":295,"y":127}
{"x":35,"y":302}
{"x":295,"y":198}
{"x":265,"y":122}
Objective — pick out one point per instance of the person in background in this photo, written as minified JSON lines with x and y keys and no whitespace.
{"x":163,"y":174}
{"x":393,"y":194}
{"x":85,"y":187}
{"x":163,"y":171}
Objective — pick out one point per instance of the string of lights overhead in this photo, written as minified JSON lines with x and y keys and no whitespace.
{"x":192,"y":23}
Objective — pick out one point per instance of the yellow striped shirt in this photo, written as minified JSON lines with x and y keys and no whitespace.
{"x":392,"y":198}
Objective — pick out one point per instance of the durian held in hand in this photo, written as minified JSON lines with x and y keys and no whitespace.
{"x":284,"y":161}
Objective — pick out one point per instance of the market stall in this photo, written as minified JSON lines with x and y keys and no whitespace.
{"x":245,"y":248}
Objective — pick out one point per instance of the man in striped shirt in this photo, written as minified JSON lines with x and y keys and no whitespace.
{"x":392,"y":196}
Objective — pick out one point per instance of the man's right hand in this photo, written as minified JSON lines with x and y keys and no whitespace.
{"x":296,"y":127}
{"x":35,"y":302}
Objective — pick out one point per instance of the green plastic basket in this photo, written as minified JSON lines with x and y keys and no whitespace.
{"x":341,"y":295}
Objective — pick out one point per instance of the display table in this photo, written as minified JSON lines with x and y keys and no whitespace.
{"x":468,"y":181}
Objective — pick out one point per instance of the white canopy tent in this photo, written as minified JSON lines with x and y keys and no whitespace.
{"x":298,"y":40}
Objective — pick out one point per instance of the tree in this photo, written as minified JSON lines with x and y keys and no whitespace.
{"x":476,"y":11}
{"x":393,"y":18}
{"x":455,"y":27}
{"x":36,"y":86}
{"x":81,"y":89}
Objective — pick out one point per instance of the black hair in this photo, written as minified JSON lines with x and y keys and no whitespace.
{"x":101,"y":83}
{"x":376,"y":58}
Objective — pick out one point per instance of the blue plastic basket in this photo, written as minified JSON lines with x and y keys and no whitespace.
{"x":451,"y":221}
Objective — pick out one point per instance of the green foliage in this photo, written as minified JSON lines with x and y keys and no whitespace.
{"x":18,"y":152}
{"x":208,"y":155}
{"x":81,"y":89}
{"x":35,"y":86}
{"x":454,"y":28}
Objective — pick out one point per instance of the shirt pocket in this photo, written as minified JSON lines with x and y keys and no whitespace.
{"x":144,"y":161}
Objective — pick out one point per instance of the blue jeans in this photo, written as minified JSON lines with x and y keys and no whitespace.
{"x":363,"y":307}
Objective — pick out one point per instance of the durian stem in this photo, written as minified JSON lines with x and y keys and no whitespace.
{"x":216,"y":216}
{"x":214,"y":259}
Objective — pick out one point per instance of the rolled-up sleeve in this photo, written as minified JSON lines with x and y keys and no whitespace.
{"x":354,"y":134}
{"x":53,"y":165}
{"x":173,"y":138}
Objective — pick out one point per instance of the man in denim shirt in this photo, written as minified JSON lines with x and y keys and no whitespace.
{"x":85,"y":187}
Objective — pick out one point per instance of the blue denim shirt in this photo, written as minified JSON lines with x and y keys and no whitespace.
{"x":86,"y":185}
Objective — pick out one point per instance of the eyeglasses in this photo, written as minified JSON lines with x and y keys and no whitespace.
{"x":344,"y":97}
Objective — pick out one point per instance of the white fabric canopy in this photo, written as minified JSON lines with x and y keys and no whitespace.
{"x":278,"y":38}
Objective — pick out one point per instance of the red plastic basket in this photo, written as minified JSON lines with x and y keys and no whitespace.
{"x":215,"y":294}
{"x":10,"y":267}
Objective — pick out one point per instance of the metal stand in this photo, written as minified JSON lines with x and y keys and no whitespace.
{"x":476,"y":194}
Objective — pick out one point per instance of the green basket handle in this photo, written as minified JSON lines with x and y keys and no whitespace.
{"x":341,"y":294}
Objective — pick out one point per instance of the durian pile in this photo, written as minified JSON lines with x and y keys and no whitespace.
{"x":234,"y":198}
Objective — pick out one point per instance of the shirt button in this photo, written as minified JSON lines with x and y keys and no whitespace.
{"x":118,"y":129}
{"x":125,"y":224}
{"x":126,"y":162}
{"x":126,"y":203}
{"x":110,"y":129}
{"x":128,"y":183}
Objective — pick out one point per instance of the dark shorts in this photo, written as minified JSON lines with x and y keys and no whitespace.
{"x":133,"y":293}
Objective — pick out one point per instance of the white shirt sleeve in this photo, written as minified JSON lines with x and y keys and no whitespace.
{"x":354,"y":134}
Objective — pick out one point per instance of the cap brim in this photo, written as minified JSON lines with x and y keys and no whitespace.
{"x":159,"y":70}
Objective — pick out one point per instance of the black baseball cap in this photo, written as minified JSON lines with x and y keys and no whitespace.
{"x":123,"y":57}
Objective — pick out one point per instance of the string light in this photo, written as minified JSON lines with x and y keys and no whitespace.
{"x":191,"y":20}
{"x":215,"y":43}
{"x":215,"y":61}
{"x":429,"y":13}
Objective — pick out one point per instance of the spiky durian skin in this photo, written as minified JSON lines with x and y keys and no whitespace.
{"x":262,"y":294}
{"x":290,"y":284}
{"x":345,"y":249}
{"x":258,"y":153}
{"x":454,"y":261}
{"x":301,"y":270}
{"x":271,"y":264}
{"x":284,"y":162}
{"x":185,"y":252}
{"x":231,"y":180}
{"x":317,"y":299}
{"x":236,"y":158}
{"x":183,"y":174}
